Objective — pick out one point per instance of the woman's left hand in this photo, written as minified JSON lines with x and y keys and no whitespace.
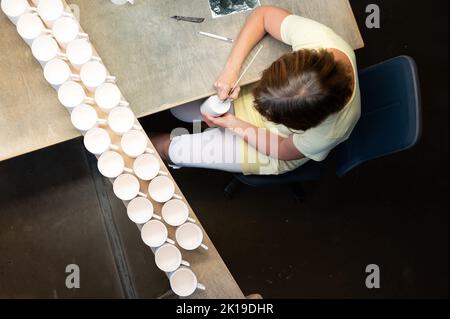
{"x":227,"y":120}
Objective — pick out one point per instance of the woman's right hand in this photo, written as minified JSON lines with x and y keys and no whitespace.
{"x":224,"y":84}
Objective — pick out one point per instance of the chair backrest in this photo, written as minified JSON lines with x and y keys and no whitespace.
{"x":390,"y":114}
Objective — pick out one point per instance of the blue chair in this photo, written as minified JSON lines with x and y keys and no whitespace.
{"x":390,"y":122}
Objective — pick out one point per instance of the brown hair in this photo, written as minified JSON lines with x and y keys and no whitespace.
{"x":301,"y":89}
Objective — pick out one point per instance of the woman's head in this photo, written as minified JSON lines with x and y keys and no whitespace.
{"x":301,"y":89}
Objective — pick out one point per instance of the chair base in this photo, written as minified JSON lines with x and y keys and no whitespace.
{"x":231,"y":188}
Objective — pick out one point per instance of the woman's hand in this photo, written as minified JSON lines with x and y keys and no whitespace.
{"x":228,"y":120}
{"x":225,"y":82}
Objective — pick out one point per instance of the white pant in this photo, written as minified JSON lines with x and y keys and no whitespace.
{"x":214,"y":148}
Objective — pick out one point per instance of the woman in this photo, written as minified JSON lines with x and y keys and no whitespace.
{"x":305,"y":104}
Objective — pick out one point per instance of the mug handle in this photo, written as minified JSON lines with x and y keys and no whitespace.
{"x":96,"y":58}
{"x":83,"y":35}
{"x":204,"y":246}
{"x":75,"y":77}
{"x":149,"y":150}
{"x":189,"y":219}
{"x":62,"y":56}
{"x":67,"y":14}
{"x":201,"y":286}
{"x":115,"y":147}
{"x":111,"y":79}
{"x":163,"y":173}
{"x":170,"y":241}
{"x":185,"y":263}
{"x":142,"y":195}
{"x":124,"y":103}
{"x":137,"y":127}
{"x":89,"y":100}
{"x":177,"y":196}
{"x":128,"y":170}
{"x":157,"y":217}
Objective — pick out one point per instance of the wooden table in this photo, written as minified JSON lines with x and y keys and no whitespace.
{"x":160,"y":62}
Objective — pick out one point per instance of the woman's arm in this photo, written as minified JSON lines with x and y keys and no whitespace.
{"x":261,"y":20}
{"x":261,"y":139}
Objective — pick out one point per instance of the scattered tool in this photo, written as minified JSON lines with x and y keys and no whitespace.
{"x":215,"y":36}
{"x":188,"y":19}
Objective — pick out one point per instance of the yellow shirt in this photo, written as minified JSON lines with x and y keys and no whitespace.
{"x":315,"y":143}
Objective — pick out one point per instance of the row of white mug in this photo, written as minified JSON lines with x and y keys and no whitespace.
{"x":47,"y":44}
{"x":48,"y":10}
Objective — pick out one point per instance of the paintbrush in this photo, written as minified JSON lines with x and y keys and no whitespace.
{"x":245,"y":70}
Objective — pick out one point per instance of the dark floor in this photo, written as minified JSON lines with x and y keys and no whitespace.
{"x":392,"y":212}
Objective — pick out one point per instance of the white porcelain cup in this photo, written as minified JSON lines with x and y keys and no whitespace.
{"x":168,"y":258}
{"x":175,"y":212}
{"x":111,"y":164}
{"x":97,"y":141}
{"x":93,"y":74}
{"x":30,"y":27}
{"x":154,"y":234}
{"x":140,"y":210}
{"x":51,"y":10}
{"x":72,"y":94}
{"x":184,"y":283}
{"x":80,"y":52}
{"x":84,"y":117}
{"x":135,"y":143}
{"x":126,"y":187}
{"x":147,"y":167}
{"x":161,"y":189}
{"x":121,"y":119}
{"x":14,"y":9}
{"x":108,"y":96}
{"x":57,"y":72}
{"x":67,"y":29}
{"x":45,"y":48}
{"x":215,"y":107}
{"x":190,"y":236}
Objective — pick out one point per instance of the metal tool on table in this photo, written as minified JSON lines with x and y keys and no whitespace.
{"x":188,"y":19}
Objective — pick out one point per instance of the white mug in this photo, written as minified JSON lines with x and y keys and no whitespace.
{"x":45,"y":48}
{"x":140,"y":210}
{"x":57,"y":72}
{"x":84,"y":117}
{"x":79,"y":52}
{"x":71,"y":94}
{"x":154,"y":234}
{"x":147,"y":167}
{"x":93,"y":74}
{"x":126,"y":187}
{"x":108,"y":96}
{"x":111,"y":164}
{"x":215,"y":107}
{"x":184,"y":282}
{"x":30,"y":27}
{"x":190,"y":236}
{"x":67,"y":29}
{"x":135,"y":143}
{"x":97,"y":141}
{"x":168,"y":258}
{"x":51,"y":10}
{"x":14,"y":9}
{"x":161,"y":189}
{"x":175,"y":212}
{"x":121,"y":119}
